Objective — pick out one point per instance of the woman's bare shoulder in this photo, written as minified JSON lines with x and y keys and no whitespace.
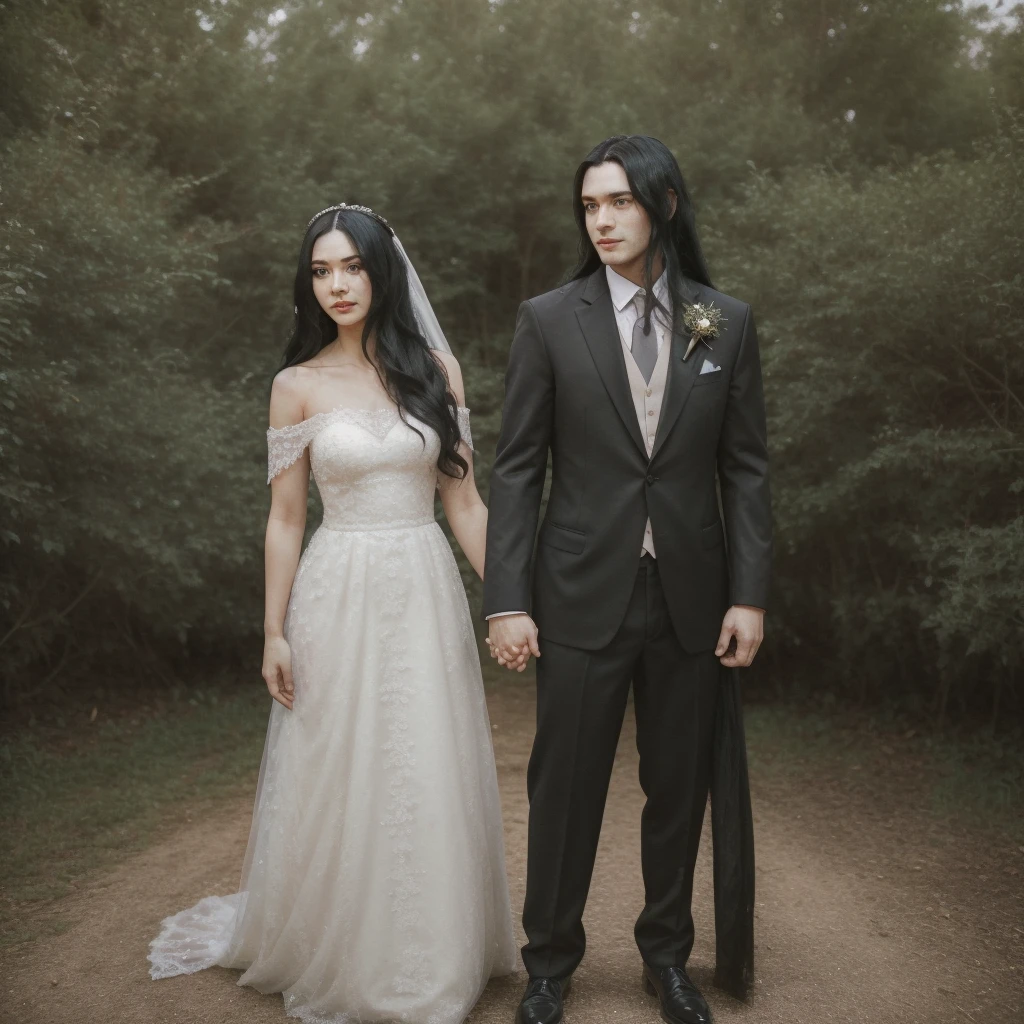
{"x":288,"y":397}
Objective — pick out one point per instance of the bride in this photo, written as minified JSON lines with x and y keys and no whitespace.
{"x":373,"y":886}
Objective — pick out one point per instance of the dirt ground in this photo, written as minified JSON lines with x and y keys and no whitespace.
{"x":866,"y":912}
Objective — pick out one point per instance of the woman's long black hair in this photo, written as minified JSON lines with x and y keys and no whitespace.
{"x":413,"y":378}
{"x":652,"y":172}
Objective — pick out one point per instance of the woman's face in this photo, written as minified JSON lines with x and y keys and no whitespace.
{"x":340,"y":282}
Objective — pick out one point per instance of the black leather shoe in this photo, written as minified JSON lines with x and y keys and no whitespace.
{"x":681,"y":1001}
{"x":542,"y":1001}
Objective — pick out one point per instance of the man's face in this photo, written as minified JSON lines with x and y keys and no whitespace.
{"x":617,"y":224}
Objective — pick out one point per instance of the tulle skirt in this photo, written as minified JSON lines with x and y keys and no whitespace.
{"x":374,"y":885}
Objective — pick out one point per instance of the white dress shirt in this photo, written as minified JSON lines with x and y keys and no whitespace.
{"x":624,"y":295}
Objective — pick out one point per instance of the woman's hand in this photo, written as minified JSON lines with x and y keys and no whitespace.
{"x":277,"y":670}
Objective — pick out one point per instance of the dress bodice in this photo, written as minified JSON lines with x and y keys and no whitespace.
{"x":374,"y":469}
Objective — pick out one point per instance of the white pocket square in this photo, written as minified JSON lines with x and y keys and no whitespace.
{"x":709,"y":367}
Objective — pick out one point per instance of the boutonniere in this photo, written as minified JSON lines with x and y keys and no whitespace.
{"x":702,"y":323}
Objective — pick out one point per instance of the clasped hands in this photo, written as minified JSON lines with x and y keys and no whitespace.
{"x":512,"y":639}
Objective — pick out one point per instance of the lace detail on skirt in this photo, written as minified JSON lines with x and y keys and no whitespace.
{"x":399,"y":763}
{"x":194,"y":939}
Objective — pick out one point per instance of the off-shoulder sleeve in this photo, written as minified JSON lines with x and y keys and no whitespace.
{"x":464,"y":427}
{"x":285,"y":446}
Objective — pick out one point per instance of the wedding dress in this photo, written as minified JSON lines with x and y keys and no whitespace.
{"x":373,"y":886}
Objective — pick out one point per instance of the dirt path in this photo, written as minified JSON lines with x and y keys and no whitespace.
{"x":860,"y":917}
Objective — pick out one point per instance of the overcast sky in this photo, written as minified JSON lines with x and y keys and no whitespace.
{"x":999,"y":10}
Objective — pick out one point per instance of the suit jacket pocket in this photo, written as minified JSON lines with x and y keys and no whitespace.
{"x":709,"y":378}
{"x":711,"y":536}
{"x":562,"y":537}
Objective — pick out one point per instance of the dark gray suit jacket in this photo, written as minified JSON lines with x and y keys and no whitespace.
{"x":566,"y":391}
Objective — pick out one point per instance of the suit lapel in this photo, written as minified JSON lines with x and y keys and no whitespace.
{"x":680,"y":377}
{"x":597,"y":321}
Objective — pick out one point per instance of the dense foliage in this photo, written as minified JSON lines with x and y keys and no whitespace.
{"x":858,"y":173}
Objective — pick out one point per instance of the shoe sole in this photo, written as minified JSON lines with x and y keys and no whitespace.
{"x":556,"y":1020}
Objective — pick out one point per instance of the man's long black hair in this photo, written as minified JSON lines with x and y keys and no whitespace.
{"x":653,"y":174}
{"x":413,"y":378}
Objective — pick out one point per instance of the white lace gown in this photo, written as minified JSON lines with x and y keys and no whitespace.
{"x":373,"y":886}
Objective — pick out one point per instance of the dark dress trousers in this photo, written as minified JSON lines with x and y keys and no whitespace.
{"x":608,"y":618}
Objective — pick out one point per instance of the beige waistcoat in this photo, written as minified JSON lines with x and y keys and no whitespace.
{"x":647,"y":400}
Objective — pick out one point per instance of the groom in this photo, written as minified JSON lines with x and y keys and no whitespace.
{"x":644,"y":383}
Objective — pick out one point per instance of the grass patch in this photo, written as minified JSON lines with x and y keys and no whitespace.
{"x":975,"y":779}
{"x":78,"y":802}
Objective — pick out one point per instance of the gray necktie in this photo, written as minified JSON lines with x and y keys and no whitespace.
{"x":645,"y":346}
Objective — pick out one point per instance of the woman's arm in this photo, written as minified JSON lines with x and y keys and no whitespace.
{"x":463,"y":507}
{"x":286,"y":526}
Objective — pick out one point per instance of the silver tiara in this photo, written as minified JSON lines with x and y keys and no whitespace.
{"x":347,"y":206}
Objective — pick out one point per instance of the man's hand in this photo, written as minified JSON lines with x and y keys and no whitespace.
{"x":746,"y":623}
{"x":512,"y":639}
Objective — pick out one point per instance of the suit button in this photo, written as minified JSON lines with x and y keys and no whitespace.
{"x":650,"y":478}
